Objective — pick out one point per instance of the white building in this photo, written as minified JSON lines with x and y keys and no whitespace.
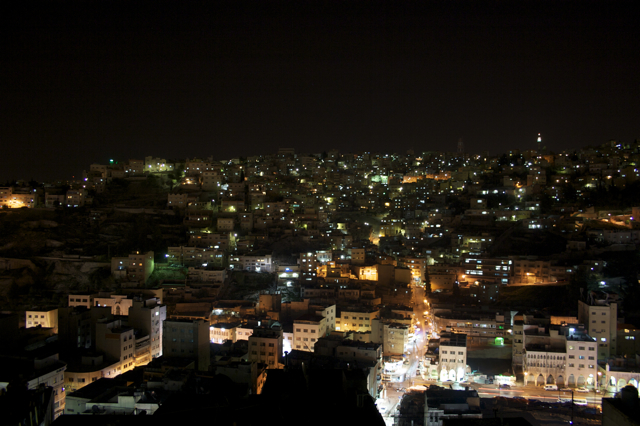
{"x":453,"y":356}
{"x":42,"y":318}
{"x":307,"y":329}
{"x":119,"y":304}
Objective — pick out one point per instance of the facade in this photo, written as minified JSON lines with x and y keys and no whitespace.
{"x":119,"y":304}
{"x":187,"y":339}
{"x":266,"y":346}
{"x":356,"y":319}
{"x":147,"y":317}
{"x":136,"y":267}
{"x":453,"y":356}
{"x":601,"y":319}
{"x":307,"y":329}
{"x":42,"y":318}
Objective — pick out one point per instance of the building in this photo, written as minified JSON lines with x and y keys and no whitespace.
{"x":119,"y":304}
{"x":600,"y":316}
{"x":307,"y":329}
{"x":266,"y":346}
{"x":146,"y":316}
{"x":622,"y":411}
{"x":453,"y":356}
{"x":358,"y":319}
{"x":42,"y":318}
{"x":441,"y":404}
{"x":117,"y":343}
{"x":136,"y":267}
{"x":187,"y":339}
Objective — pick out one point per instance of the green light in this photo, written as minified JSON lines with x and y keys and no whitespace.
{"x":111,"y":161}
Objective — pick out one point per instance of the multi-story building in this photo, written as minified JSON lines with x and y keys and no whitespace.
{"x":45,"y":318}
{"x":147,"y":316}
{"x":453,"y":356}
{"x":81,"y":299}
{"x":358,"y":319}
{"x":252,"y":262}
{"x":136,"y":267}
{"x":307,"y":329}
{"x":117,"y":343}
{"x":119,"y":304}
{"x":187,"y":339}
{"x":600,"y":316}
{"x":221,"y":332}
{"x":75,"y":197}
{"x":488,"y":269}
{"x":394,"y":336}
{"x":582,"y":361}
{"x":191,"y":256}
{"x":43,"y":369}
{"x":266,"y":346}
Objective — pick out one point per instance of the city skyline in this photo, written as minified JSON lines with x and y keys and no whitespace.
{"x":87,"y":83}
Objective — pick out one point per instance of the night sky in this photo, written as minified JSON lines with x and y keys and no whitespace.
{"x":83,"y":82}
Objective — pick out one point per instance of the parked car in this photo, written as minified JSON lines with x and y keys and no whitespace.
{"x":583,"y":390}
{"x":550,"y":387}
{"x":505,"y":386}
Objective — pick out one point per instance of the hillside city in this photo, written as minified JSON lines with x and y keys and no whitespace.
{"x":424,"y":288}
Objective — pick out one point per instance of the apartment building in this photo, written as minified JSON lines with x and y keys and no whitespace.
{"x":136,"y":267}
{"x":394,"y":336}
{"x":222,"y":331}
{"x":81,"y":299}
{"x":75,"y":197}
{"x":253,"y":262}
{"x":307,"y":329}
{"x":488,"y":269}
{"x":191,"y":256}
{"x":452,"y":364}
{"x":187,"y":339}
{"x":117,"y":343}
{"x":43,"y":368}
{"x":45,"y":318}
{"x":582,"y":361}
{"x":266,"y":346}
{"x":147,"y":316}
{"x":15,"y":198}
{"x":600,"y":316}
{"x":358,"y":319}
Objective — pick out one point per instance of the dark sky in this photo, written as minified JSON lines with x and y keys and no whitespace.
{"x":82,"y":82}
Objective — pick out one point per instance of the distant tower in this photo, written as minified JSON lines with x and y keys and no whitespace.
{"x":460,"y":146}
{"x":539,"y":144}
